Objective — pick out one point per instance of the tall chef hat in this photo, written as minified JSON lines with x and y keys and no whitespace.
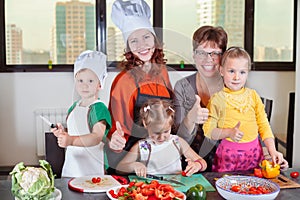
{"x":131,"y":15}
{"x":93,"y":60}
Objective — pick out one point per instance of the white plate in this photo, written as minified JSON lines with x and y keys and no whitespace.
{"x":116,"y":190}
{"x":85,"y":184}
{"x":56,"y":195}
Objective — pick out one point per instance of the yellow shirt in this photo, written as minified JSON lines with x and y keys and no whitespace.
{"x":227,"y":108}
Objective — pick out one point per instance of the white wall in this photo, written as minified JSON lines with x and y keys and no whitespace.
{"x":23,"y":93}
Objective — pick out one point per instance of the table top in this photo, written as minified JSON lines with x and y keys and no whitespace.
{"x":62,"y":185}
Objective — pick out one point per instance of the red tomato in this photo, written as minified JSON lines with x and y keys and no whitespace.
{"x":294,"y":174}
{"x":94,"y":180}
{"x":98,"y":179}
{"x":258,"y":172}
{"x":121,"y":192}
{"x":131,"y":184}
{"x":112,"y":193}
{"x":183,"y":173}
{"x":236,"y":188}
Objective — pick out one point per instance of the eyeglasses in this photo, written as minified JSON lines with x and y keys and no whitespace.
{"x":203,"y":54}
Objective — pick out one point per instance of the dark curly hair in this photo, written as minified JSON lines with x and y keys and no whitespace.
{"x":131,"y":62}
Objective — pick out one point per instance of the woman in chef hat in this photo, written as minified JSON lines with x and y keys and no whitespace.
{"x":143,"y":76}
{"x":88,"y":119}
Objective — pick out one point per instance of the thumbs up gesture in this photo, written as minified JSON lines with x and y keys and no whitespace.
{"x":236,"y":135}
{"x":118,"y":141}
{"x":197,"y":114}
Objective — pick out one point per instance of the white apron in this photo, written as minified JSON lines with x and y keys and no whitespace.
{"x":82,"y":161}
{"x":164,"y":158}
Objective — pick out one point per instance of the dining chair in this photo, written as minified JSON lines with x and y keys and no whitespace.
{"x":55,"y":155}
{"x":268,"y":106}
{"x":268,"y":109}
{"x":286,"y":139}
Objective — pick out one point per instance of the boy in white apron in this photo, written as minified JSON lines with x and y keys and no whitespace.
{"x":88,"y":120}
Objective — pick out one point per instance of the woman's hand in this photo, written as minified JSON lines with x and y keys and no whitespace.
{"x":197,"y":114}
{"x":118,"y":141}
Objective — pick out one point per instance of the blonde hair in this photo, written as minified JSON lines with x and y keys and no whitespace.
{"x":236,"y":52}
{"x":157,"y":111}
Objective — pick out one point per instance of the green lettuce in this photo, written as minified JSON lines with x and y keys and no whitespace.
{"x":32,"y":183}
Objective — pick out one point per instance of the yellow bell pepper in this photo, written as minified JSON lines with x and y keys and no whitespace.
{"x":269,"y":169}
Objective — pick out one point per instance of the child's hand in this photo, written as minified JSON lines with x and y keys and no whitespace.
{"x":192,"y":167}
{"x":236,"y":135}
{"x":277,"y":157}
{"x":64,"y":140}
{"x":57,"y":131}
{"x":118,"y":140}
{"x":140,"y":169}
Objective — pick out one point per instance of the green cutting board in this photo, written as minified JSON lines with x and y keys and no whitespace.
{"x":189,"y":181}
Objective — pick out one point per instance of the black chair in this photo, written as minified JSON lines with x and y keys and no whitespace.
{"x":286,"y":139}
{"x":55,"y":155}
{"x":268,"y":106}
{"x":268,"y":109}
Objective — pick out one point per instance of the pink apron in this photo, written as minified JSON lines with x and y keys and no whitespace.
{"x":233,"y":156}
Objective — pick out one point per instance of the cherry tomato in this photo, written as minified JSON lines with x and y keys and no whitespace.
{"x":112,"y":193}
{"x":183,"y":173}
{"x":294,"y":174}
{"x":236,"y":188}
{"x":94,"y":180}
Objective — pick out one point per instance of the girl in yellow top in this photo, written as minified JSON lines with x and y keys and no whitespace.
{"x":236,"y":117}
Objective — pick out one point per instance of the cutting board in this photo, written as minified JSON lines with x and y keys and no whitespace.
{"x":189,"y":181}
{"x":85,"y":184}
{"x":285,"y":182}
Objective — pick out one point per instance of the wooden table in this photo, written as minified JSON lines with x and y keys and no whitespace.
{"x":67,"y":194}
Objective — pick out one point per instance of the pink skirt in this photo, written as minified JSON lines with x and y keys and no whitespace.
{"x":233,"y":156}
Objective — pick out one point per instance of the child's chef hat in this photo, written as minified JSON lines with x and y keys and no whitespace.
{"x":93,"y":60}
{"x":131,"y":15}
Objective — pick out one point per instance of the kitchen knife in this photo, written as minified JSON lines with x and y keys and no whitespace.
{"x":164,"y":179}
{"x":48,"y":122}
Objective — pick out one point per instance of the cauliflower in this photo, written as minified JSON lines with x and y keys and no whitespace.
{"x":32,"y":183}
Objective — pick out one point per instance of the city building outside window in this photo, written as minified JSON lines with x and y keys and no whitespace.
{"x":39,"y":34}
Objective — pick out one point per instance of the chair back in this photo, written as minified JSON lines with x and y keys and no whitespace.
{"x":55,"y":155}
{"x":290,"y":129}
{"x":268,"y":106}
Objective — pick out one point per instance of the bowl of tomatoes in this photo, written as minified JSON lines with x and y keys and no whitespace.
{"x":247,"y":188}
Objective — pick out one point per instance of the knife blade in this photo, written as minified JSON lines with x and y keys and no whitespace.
{"x":48,"y":122}
{"x":164,"y":179}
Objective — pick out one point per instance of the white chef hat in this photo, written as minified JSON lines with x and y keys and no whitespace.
{"x":93,"y":60}
{"x":131,"y":15}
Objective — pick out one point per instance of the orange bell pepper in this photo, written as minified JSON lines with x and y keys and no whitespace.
{"x":269,"y":169}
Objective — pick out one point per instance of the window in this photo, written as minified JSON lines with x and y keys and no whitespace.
{"x":35,"y":33}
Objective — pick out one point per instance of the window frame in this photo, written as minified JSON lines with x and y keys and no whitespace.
{"x":101,"y":20}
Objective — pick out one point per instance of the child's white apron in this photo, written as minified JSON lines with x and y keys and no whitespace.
{"x":82,"y":161}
